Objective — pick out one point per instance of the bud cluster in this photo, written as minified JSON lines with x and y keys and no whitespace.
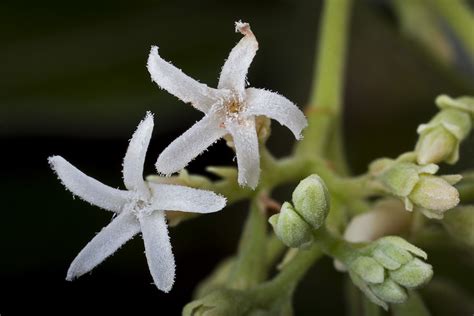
{"x":417,"y":185}
{"x":295,"y":222}
{"x":386,"y":268}
{"x":440,"y":138}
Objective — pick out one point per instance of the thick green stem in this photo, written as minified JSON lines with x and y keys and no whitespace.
{"x":325,"y":102}
{"x":334,"y":246}
{"x":291,"y":274}
{"x":461,"y":20}
{"x":249,"y":268}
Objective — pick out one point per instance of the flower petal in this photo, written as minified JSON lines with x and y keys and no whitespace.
{"x":180,"y":85}
{"x":171,"y":197}
{"x":158,"y":250}
{"x":189,"y":145}
{"x":246,"y":148}
{"x":135,"y":156}
{"x":234,"y":72}
{"x":277,"y":107}
{"x":104,"y":244}
{"x":87,"y":188}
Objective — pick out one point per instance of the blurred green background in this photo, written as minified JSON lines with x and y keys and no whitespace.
{"x":73,"y":82}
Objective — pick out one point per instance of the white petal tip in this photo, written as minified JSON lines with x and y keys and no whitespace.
{"x":162,"y":168}
{"x":165,"y":289}
{"x":54,"y":161}
{"x":243,"y":28}
{"x":71,"y":276}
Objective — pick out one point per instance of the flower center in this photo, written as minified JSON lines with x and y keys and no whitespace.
{"x":140,"y":207}
{"x":234,"y":107}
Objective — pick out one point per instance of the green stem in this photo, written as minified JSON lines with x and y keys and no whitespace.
{"x":287,"y":279}
{"x":334,"y":246}
{"x":461,"y":20}
{"x":325,"y":101}
{"x":249,"y":268}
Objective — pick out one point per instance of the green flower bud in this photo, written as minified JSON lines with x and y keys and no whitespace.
{"x":463,"y":103}
{"x":368,"y":269}
{"x":389,"y":291}
{"x":435,"y":195}
{"x":290,"y":228}
{"x":391,"y":257}
{"x":413,"y":274}
{"x":401,"y":178}
{"x":391,"y":268}
{"x":440,"y":138}
{"x":220,"y":302}
{"x":311,"y":200}
{"x":459,"y":223}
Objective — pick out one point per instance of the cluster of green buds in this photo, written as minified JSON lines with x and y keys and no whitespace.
{"x":440,"y":138}
{"x":295,"y":223}
{"x":386,"y":268}
{"x":416,"y":185}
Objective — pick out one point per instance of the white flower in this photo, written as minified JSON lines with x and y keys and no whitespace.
{"x":139,"y":209}
{"x":230,"y":109}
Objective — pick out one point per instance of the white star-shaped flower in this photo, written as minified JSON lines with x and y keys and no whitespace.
{"x":140,"y":208}
{"x":230,"y":109}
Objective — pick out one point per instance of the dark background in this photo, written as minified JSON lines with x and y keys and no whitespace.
{"x":73,"y":82}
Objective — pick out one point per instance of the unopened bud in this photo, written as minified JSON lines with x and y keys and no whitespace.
{"x":389,"y":291}
{"x":311,"y":200}
{"x":434,"y":194}
{"x":463,"y":103}
{"x":290,"y":228}
{"x":368,"y":269}
{"x":413,"y":274}
{"x":440,"y":138}
{"x":401,"y":178}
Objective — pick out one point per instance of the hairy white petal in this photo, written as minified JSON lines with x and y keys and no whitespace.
{"x":171,"y":197}
{"x":234,"y":72}
{"x":104,"y":244}
{"x":88,"y":188}
{"x":189,"y":145}
{"x":158,"y":250}
{"x":177,"y":83}
{"x":135,"y":157}
{"x":247,"y":151}
{"x":277,"y":107}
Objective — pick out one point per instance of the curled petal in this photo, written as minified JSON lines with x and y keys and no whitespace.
{"x":87,"y":188}
{"x":104,"y":244}
{"x":246,"y":148}
{"x":277,"y":107}
{"x":234,"y":72}
{"x":189,"y":145}
{"x":158,"y":250}
{"x":180,"y":198}
{"x":180,"y":85}
{"x":135,"y":156}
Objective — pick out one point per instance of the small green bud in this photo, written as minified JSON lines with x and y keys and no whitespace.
{"x":463,"y":103}
{"x":220,"y":302}
{"x":436,"y":146}
{"x":440,"y":138}
{"x":290,"y":228}
{"x":401,"y":178}
{"x":389,"y":291}
{"x":412,"y":274}
{"x":391,"y":257}
{"x":368,"y":269}
{"x":435,"y":195}
{"x":311,"y":200}
{"x":459,"y":222}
